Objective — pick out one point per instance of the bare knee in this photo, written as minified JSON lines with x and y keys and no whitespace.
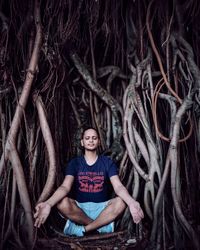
{"x":66,"y":205}
{"x":118,"y":206}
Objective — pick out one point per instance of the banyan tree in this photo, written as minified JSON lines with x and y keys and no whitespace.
{"x":129,"y":68}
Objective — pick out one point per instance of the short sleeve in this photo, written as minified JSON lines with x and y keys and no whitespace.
{"x":112,"y":168}
{"x":71,"y":168}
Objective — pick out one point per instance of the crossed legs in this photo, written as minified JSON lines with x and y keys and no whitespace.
{"x":70,"y":210}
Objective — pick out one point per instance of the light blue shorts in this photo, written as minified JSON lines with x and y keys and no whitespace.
{"x":93,"y":209}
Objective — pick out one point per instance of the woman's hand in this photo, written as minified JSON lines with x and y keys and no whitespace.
{"x":43,"y":210}
{"x":136,"y":212}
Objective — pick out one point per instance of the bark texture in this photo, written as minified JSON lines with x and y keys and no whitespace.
{"x":128,"y":68}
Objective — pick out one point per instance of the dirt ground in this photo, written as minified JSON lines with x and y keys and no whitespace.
{"x":114,"y":241}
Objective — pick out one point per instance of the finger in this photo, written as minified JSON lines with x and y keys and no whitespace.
{"x":37,"y":207}
{"x":39,"y":223}
{"x":36,"y":214}
{"x":36,"y":224}
{"x":43,"y":220}
{"x":136,"y":221}
{"x":142,"y":214}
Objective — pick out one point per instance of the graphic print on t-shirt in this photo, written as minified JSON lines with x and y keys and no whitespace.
{"x":91,"y":182}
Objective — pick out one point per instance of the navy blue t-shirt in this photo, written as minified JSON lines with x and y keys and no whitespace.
{"x":91,"y":181}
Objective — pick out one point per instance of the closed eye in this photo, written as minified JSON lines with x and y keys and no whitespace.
{"x":93,"y":138}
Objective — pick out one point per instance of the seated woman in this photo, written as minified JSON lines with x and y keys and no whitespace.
{"x":92,"y":208}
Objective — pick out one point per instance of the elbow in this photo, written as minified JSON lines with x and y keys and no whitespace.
{"x":65,"y":189}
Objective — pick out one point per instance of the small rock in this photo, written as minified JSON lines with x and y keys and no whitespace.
{"x":131,"y":241}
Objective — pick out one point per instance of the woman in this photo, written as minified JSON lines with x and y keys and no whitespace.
{"x":92,"y":209}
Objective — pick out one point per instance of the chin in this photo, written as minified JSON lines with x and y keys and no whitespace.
{"x":91,"y":149}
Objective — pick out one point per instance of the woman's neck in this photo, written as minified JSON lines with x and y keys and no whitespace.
{"x":90,"y":157}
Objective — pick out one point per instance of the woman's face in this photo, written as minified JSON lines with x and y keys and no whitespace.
{"x":90,"y":140}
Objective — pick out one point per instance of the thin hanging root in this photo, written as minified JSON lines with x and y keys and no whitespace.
{"x":23,"y":192}
{"x":158,"y":56}
{"x":12,"y":135}
{"x":10,"y":152}
{"x":50,"y":148}
{"x":173,"y":158}
{"x":154,"y":111}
